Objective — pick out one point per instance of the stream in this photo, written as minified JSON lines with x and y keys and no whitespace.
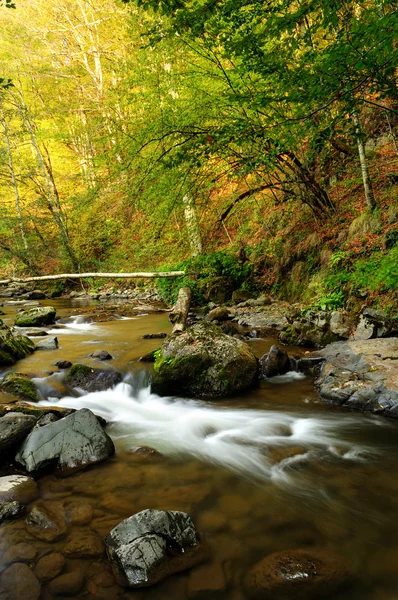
{"x":266,"y":471}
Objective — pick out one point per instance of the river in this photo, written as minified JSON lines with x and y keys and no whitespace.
{"x":267,"y":471}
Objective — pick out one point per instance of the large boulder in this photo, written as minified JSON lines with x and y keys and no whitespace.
{"x":151,"y":545}
{"x":14,"y":427}
{"x":19,"y":385}
{"x":299,"y":574}
{"x":361,"y":375}
{"x":71,"y":443}
{"x":15,"y":492}
{"x":204,"y":362}
{"x":13,"y":345}
{"x":374,"y":324}
{"x":36,"y":316}
{"x":92,"y":380}
{"x":276,"y":362}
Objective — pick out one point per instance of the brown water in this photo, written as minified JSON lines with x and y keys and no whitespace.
{"x":348,"y":506}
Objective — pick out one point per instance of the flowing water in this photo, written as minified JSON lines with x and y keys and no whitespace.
{"x":267,"y":471}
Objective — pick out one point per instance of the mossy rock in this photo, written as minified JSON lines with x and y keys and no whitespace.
{"x":92,"y":380}
{"x":204,"y":362}
{"x":19,"y":385}
{"x":36,"y":317}
{"x":13,"y":345}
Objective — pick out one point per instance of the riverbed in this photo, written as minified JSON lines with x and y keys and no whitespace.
{"x":270,"y":470}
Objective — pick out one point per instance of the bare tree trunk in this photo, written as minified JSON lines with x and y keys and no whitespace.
{"x":13,"y":179}
{"x":150,"y":275}
{"x":367,"y":185}
{"x":191,"y":220}
{"x":178,"y":315}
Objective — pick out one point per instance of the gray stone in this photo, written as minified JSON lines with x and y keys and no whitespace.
{"x":14,"y":427}
{"x":35,"y":317}
{"x":71,"y":443}
{"x":92,"y":380}
{"x":13,"y":345}
{"x":149,"y":546}
{"x":276,"y":362}
{"x":101,"y":355}
{"x":340,"y":324}
{"x":50,"y":343}
{"x":365,"y":330}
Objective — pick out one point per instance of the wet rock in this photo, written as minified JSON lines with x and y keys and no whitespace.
{"x":150,"y":357}
{"x":19,"y":385}
{"x":36,"y":316}
{"x":374,"y":324}
{"x":14,"y":427}
{"x":19,"y":583}
{"x":361,"y":375}
{"x":308,"y":365}
{"x":47,"y":521}
{"x":101,"y":355}
{"x":35,"y":332}
{"x":23,"y":553}
{"x":69,"y":583}
{"x":276,"y":362}
{"x":207,"y":580}
{"x":15,"y":492}
{"x":13,"y":345}
{"x":46,"y":420}
{"x":85,"y":544}
{"x":219,"y":314}
{"x":71,"y":443}
{"x":204,"y":362}
{"x":341,"y":324}
{"x":154,"y":336}
{"x":79,"y":513}
{"x":50,"y":343}
{"x":34,"y":410}
{"x":151,"y":545}
{"x":49,"y":566}
{"x":301,"y":574}
{"x":92,"y":380}
{"x":145,"y":454}
{"x":63,"y":364}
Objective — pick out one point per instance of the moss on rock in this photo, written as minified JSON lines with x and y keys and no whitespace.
{"x":13,"y":346}
{"x":36,"y":317}
{"x":19,"y":385}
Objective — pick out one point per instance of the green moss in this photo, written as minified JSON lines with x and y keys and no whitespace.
{"x":13,"y":346}
{"x":79,"y":370}
{"x":180,"y":369}
{"x":19,"y":385}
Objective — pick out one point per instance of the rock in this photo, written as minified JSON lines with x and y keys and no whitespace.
{"x":49,"y":566}
{"x":217,"y":289}
{"x":50,"y":343}
{"x":79,"y":513}
{"x":71,"y":443}
{"x":69,"y":583}
{"x":365,"y":330}
{"x":36,"y":295}
{"x":35,"y":317}
{"x":341,"y":324}
{"x":151,"y":545}
{"x":298,"y":574}
{"x":92,"y":380}
{"x":84,"y":545}
{"x":14,"y":427}
{"x":361,"y":375}
{"x":206,"y":580}
{"x":276,"y":362}
{"x":240,"y":295}
{"x":35,"y":332}
{"x":101,"y":355}
{"x":150,"y":357}
{"x":16,"y":491}
{"x":18,"y":582}
{"x":260,"y":301}
{"x":229,"y":328}
{"x":154,"y":336}
{"x":46,"y":420}
{"x":23,"y":553}
{"x":13,"y":345}
{"x":145,"y":454}
{"x":34,"y":410}
{"x":20,"y":385}
{"x":47,"y":521}
{"x":63,"y":364}
{"x":309,"y":365}
{"x":219,"y":314}
{"x":204,"y":362}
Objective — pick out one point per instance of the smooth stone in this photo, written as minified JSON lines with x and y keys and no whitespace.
{"x":49,"y":566}
{"x":50,"y":343}
{"x":101,"y":355}
{"x":15,"y":492}
{"x":47,"y":521}
{"x":68,"y":583}
{"x":19,"y":583}
{"x":14,"y":427}
{"x":23,"y":553}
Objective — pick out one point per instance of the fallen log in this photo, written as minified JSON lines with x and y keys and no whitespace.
{"x":151,"y":275}
{"x":178,"y":315}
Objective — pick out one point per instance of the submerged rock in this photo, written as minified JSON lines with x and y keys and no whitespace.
{"x":92,"y":380}
{"x":20,"y":385}
{"x":49,"y":566}
{"x":203,"y":361}
{"x":13,"y":345}
{"x":276,"y":362}
{"x":298,"y":574}
{"x":19,"y":582}
{"x":14,"y":427}
{"x":15,"y":492}
{"x":151,"y":545}
{"x":34,"y":317}
{"x":101,"y":355}
{"x":361,"y":375}
{"x":71,"y":443}
{"x":46,"y":521}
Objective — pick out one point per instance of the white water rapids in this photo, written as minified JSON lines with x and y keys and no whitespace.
{"x":242,"y":440}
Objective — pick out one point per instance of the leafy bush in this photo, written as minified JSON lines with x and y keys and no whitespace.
{"x":201,"y":268}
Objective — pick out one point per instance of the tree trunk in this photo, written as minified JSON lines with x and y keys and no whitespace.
{"x":151,"y":275}
{"x":369,"y":196}
{"x":191,"y":220}
{"x":178,"y":315}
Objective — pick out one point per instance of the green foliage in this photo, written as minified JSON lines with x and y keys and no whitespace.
{"x":331,"y":302}
{"x":200,"y":269}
